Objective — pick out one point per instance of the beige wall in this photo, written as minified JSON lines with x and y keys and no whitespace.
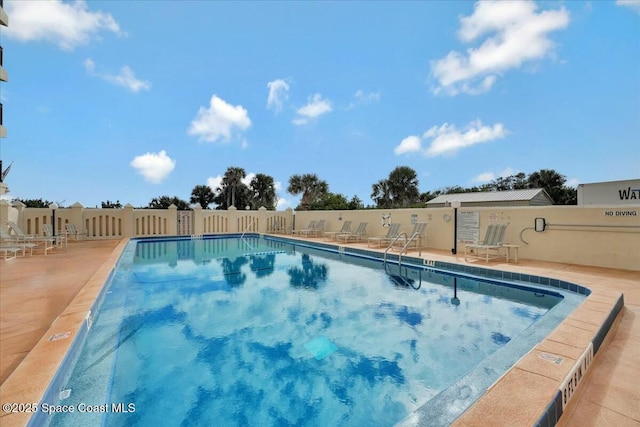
{"x":576,"y":235}
{"x":604,"y":236}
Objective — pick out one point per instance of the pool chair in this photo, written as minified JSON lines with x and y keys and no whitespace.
{"x":72,"y":230}
{"x":21,"y":236}
{"x":333,"y":235}
{"x":278,"y":226}
{"x":304,"y":231}
{"x":318,"y":229}
{"x":59,"y":239}
{"x":379,"y":241}
{"x":8,"y":241}
{"x":9,"y":250}
{"x":413,"y":240}
{"x":491,"y":247}
{"x":356,"y":236}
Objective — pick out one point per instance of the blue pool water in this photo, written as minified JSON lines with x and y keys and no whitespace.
{"x":262,"y":332}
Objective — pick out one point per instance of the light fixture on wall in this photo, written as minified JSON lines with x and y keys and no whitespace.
{"x":53,"y":206}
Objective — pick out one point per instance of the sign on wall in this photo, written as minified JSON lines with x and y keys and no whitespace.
{"x":468,"y":227}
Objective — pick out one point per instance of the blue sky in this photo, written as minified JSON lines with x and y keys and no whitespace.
{"x":132,"y":100}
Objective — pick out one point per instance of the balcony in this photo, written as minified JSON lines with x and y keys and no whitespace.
{"x":4,"y":19}
{"x":4,"y":77}
{"x":3,"y":130}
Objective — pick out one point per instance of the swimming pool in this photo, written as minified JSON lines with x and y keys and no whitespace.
{"x":266,"y":332}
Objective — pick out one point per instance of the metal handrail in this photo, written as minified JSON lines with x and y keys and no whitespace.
{"x":391,"y":245}
{"x":413,"y":236}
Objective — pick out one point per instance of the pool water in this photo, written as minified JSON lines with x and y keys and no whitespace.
{"x":250,"y":331}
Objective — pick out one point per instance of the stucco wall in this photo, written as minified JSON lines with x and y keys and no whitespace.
{"x":602,"y":236}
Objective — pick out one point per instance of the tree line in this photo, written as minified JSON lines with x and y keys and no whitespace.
{"x":400,"y":189}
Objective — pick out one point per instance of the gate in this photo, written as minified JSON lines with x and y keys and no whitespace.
{"x":185,"y":223}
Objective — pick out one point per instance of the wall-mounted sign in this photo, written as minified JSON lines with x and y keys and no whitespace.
{"x":621,"y":212}
{"x":468,"y":227}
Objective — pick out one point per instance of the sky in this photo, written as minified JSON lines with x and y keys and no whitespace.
{"x":132,"y":100}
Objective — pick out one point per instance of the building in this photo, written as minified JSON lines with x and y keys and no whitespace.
{"x":610,"y":193}
{"x":528,"y":197}
{"x":4,"y":21}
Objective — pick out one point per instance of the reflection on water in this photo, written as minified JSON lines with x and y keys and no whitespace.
{"x":310,"y":276}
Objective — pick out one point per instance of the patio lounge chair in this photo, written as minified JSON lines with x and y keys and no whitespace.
{"x":278,"y":226}
{"x":413,"y":239}
{"x":9,"y":242}
{"x":333,"y":235}
{"x":491,"y":247}
{"x":21,"y":236}
{"x":9,"y":249}
{"x":355,"y":236}
{"x":379,"y":241}
{"x":304,"y":231}
{"x":59,"y":239}
{"x":72,"y":230}
{"x":318,"y":229}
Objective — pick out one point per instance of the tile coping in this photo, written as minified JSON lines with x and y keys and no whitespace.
{"x":22,"y":385}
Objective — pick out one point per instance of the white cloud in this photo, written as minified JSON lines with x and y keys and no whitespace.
{"x":154,"y":167}
{"x":67,"y":25}
{"x":316,"y":106}
{"x":278,"y":93}
{"x":218,"y":121}
{"x":126,"y":78}
{"x":490,"y":176}
{"x":632,"y":4}
{"x":214,"y":182}
{"x":515,"y":34}
{"x":363,"y":98}
{"x":282,"y":204}
{"x":409,"y":145}
{"x":447,"y":139}
{"x":247,"y":179}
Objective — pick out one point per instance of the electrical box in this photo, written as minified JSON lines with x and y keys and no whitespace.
{"x":540,"y":224}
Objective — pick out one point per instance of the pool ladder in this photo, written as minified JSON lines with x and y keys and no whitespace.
{"x":404,"y":248}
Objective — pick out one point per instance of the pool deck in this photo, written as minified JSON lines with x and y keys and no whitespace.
{"x":41,"y":296}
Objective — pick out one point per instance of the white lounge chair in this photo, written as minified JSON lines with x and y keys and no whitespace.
{"x":412,"y":240}
{"x":59,"y":239}
{"x":379,"y":241}
{"x":72,"y":230}
{"x":332,"y":235}
{"x":356,"y":236}
{"x":491,"y":247}
{"x":304,"y":231}
{"x":9,"y":241}
{"x":278,"y":226}
{"x":318,"y":229}
{"x":10,"y":250}
{"x":21,"y":236}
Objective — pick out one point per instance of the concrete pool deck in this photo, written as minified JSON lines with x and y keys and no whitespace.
{"x":41,"y":296}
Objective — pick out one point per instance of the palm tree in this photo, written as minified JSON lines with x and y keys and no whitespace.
{"x":203,"y":195}
{"x":263,"y":191}
{"x":310,"y":186}
{"x":233,"y":179}
{"x":381,"y":194}
{"x":403,"y":186}
{"x":551,"y":181}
